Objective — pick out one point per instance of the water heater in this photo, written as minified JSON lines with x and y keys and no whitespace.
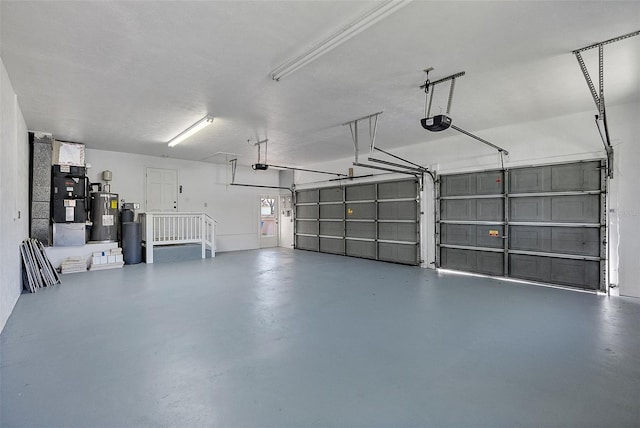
{"x":104,"y":216}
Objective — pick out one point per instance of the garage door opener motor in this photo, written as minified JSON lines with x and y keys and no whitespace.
{"x":441,"y":122}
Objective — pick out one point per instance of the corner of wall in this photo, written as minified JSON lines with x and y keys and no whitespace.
{"x":14,"y":178}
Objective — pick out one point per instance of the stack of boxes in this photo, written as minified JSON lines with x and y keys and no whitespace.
{"x":74,"y":264}
{"x":107,"y":259}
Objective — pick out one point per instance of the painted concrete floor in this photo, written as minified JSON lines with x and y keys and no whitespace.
{"x":292,"y":338}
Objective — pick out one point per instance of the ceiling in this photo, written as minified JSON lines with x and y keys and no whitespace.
{"x":129,"y":76}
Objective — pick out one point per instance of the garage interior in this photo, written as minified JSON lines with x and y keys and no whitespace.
{"x":373,"y":213}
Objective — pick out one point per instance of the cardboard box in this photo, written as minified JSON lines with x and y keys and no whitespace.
{"x":96,"y":260}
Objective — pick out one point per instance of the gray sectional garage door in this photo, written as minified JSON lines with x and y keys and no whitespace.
{"x":377,"y":221}
{"x":542,"y":223}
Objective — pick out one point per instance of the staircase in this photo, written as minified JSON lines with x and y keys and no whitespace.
{"x":176,"y":230}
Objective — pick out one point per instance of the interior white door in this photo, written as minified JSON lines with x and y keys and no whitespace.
{"x":162,"y":190}
{"x":269,"y":221}
{"x":286,"y":221}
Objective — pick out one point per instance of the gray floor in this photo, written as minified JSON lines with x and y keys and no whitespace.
{"x":294,"y":338}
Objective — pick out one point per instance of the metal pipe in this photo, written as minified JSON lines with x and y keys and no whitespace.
{"x":451,"y":88}
{"x":308,"y":170}
{"x":261,"y":186}
{"x":372,"y":133}
{"x":417,"y":170}
{"x":500,"y":149}
{"x":364,"y":165}
{"x":399,"y":158}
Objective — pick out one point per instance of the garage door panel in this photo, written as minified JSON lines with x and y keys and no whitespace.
{"x":307,"y":243}
{"x":361,"y":230}
{"x":454,"y":258}
{"x":576,"y":209}
{"x":530,"y":238}
{"x":575,"y":240}
{"x":308,"y":227}
{"x":527,"y":180}
{"x":485,"y":183}
{"x":399,"y":210}
{"x":490,"y":263}
{"x":362,"y":249}
{"x":569,"y":209}
{"x":457,"y":185}
{"x":458,"y":209}
{"x":582,"y":273}
{"x":307,"y":196}
{"x":332,"y":194}
{"x":307,"y":211}
{"x":398,"y":232}
{"x":583,"y":241}
{"x":332,"y":211}
{"x":458,"y":234}
{"x":574,"y":273}
{"x":366,"y":192}
{"x":364,"y":211}
{"x":583,"y":176}
{"x":490,"y":209}
{"x":530,"y":209}
{"x":397,"y":189}
{"x":575,"y":177}
{"x":534,"y":268}
{"x":398,"y":253}
{"x":332,"y":228}
{"x":472,"y":235}
{"x":489,"y":183}
{"x":490,"y":236}
{"x":333,"y":246}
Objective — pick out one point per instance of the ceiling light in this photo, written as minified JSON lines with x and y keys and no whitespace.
{"x":369,"y":18}
{"x":202,"y":123}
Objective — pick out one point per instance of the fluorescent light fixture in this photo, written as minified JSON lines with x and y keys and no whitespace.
{"x":202,"y":123}
{"x":364,"y":21}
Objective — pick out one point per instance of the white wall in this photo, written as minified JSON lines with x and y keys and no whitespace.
{"x":236,"y":209}
{"x":560,"y":139}
{"x":14,"y":199}
{"x":624,"y":215}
